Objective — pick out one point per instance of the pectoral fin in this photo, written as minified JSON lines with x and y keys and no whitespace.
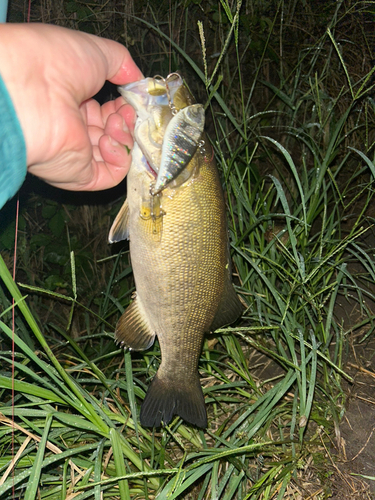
{"x":120,"y":227}
{"x":133,"y":330}
{"x":229,"y":309}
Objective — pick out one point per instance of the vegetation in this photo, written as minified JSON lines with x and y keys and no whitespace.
{"x":289,"y":96}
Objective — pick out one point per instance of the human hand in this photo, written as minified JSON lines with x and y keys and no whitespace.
{"x":51,"y":73}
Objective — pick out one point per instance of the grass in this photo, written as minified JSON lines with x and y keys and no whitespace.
{"x":295,"y":153}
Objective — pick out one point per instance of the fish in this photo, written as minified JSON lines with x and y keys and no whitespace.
{"x":179,"y":249}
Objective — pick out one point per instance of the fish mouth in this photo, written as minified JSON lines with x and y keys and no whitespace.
{"x":152,"y":99}
{"x":151,"y":91}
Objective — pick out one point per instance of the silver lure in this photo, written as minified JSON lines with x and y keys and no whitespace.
{"x":180,"y":143}
{"x":152,"y":98}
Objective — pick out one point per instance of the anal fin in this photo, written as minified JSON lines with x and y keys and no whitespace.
{"x":133,"y":330}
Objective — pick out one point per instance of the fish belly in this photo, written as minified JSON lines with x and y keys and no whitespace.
{"x":179,"y":267}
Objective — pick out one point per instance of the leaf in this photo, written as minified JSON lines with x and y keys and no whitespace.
{"x":57,"y":223}
{"x":119,"y":464}
{"x":36,"y":470}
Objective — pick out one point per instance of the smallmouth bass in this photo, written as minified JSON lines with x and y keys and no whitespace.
{"x":178,"y":245}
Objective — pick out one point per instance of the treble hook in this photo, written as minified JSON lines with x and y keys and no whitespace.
{"x":165,"y":81}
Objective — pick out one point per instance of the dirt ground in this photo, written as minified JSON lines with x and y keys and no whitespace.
{"x":354,"y":451}
{"x":354,"y":446}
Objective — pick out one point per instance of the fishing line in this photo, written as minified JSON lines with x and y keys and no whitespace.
{"x":170,"y":36}
{"x":13,"y":333}
{"x":13,"y":315}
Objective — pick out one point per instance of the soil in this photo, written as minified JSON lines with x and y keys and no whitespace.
{"x":354,"y":446}
{"x":353,"y":449}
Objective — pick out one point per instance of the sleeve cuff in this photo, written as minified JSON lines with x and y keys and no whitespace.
{"x":13,"y":165}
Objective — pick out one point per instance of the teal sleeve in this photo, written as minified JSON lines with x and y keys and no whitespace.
{"x":13,"y":165}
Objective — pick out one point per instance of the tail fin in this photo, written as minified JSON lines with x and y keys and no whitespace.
{"x":166,"y":398}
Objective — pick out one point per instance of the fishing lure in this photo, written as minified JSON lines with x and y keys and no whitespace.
{"x":181,"y":140}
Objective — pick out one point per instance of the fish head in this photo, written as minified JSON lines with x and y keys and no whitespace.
{"x":155,"y":101}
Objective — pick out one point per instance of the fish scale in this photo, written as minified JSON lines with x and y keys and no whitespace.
{"x":177,"y":287}
{"x":181,"y":263}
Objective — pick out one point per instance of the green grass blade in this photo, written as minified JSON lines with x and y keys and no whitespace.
{"x":25,"y":387}
{"x":14,"y":291}
{"x":119,"y":464}
{"x":98,"y":469}
{"x":36,"y":470}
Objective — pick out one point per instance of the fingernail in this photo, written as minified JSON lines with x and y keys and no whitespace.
{"x":113,"y":141}
{"x":125,"y":128}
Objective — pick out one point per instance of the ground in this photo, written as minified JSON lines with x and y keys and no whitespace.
{"x":353,"y":448}
{"x":354,"y":445}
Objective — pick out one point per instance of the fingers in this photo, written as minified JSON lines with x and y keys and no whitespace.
{"x":100,"y":60}
{"x":78,"y":61}
{"x":115,"y":155}
{"x":114,"y":116}
{"x":111,"y":146}
{"x":105,"y":121}
{"x":51,"y":74}
{"x":117,"y":128}
{"x":110,"y":164}
{"x":129,"y":115}
{"x":121,"y":67}
{"x":111,"y":153}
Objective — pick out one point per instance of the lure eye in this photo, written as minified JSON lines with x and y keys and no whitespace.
{"x":195,"y":113}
